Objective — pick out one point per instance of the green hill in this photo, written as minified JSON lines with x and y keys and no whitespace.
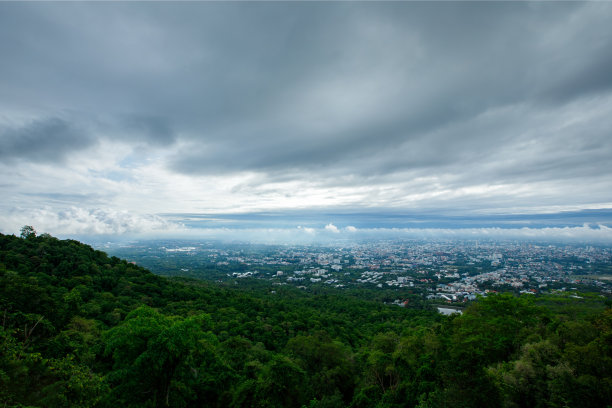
{"x":81,"y":329}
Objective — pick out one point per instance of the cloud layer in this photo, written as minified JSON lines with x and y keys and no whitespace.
{"x":594,"y":234}
{"x":75,"y":221}
{"x":148,"y":108}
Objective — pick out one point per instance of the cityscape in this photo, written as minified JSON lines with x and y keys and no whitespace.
{"x":445,"y":271}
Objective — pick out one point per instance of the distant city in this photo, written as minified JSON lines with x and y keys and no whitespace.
{"x":451,"y":272}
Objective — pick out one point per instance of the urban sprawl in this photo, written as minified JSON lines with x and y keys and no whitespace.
{"x":451,"y":272}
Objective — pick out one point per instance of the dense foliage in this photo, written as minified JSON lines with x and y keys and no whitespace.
{"x":81,"y":329}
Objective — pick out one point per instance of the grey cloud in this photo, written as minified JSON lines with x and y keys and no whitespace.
{"x":155,"y":129}
{"x":333,"y":93}
{"x":592,"y":76}
{"x":49,"y":141}
{"x":136,"y":128}
{"x":505,"y":63}
{"x":69,"y":198}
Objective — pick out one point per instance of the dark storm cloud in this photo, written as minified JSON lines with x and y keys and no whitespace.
{"x":154,"y":128}
{"x":592,"y":76}
{"x":435,"y":71}
{"x":136,"y":128}
{"x":49,"y":140}
{"x":335,"y":92}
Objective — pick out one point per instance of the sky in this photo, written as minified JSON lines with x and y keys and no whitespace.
{"x":205,"y":117}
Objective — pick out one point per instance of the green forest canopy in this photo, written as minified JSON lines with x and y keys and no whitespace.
{"x":81,"y":329}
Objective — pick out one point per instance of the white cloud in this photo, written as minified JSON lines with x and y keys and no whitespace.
{"x":307,"y":230}
{"x":332,"y":228}
{"x":81,"y":221}
{"x":350,"y":228}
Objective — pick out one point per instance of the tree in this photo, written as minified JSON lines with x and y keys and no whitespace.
{"x":159,"y":360}
{"x":27,"y":231}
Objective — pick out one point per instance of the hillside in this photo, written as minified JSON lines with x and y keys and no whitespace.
{"x":81,"y":329}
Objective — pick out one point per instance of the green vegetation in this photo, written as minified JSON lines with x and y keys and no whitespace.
{"x":81,"y":329}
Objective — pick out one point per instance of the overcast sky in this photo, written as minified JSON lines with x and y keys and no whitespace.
{"x":114,"y":115}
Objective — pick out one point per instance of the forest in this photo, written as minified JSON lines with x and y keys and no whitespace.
{"x":82,"y":329}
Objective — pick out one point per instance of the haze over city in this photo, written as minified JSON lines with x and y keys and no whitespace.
{"x":307,"y":121}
